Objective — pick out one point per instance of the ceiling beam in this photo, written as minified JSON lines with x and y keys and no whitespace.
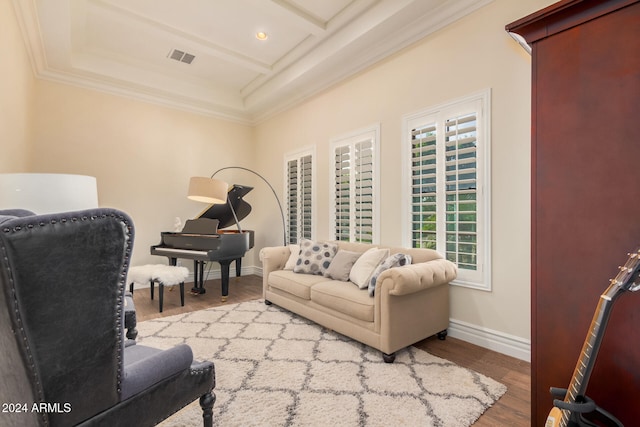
{"x":306,"y":20}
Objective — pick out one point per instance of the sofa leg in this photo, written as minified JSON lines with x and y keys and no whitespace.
{"x":267,"y":302}
{"x":206,"y":403}
{"x":442,"y":335}
{"x":388,"y":358}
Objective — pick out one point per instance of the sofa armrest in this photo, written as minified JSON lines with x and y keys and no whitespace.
{"x":417,"y":277}
{"x":274,"y":258}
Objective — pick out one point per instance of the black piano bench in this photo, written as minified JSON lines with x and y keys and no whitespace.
{"x":163,"y":275}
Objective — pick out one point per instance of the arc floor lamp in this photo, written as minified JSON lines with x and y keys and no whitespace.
{"x":212,"y":190}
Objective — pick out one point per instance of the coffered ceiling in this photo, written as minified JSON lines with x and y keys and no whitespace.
{"x":204,"y":56}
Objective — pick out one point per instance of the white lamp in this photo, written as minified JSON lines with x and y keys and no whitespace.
{"x":207,"y":190}
{"x":47,"y":192}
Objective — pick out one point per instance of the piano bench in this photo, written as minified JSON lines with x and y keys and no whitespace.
{"x":163,"y":275}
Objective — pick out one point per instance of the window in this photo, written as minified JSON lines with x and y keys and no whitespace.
{"x":299,"y":205}
{"x":354,"y":189}
{"x":448,"y":190}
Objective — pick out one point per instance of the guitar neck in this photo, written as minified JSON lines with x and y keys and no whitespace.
{"x":561,"y":415}
{"x":586,"y":361}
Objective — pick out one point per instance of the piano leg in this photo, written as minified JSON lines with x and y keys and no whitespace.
{"x":238,"y":266}
{"x":224,"y":273}
{"x":198,"y":278}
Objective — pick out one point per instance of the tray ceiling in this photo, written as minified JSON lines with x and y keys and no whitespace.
{"x":203,"y":55}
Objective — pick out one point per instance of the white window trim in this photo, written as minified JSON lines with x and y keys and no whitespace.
{"x":297,"y":155}
{"x":350,"y":138}
{"x":483,"y":98}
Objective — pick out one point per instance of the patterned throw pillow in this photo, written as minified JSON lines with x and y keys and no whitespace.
{"x":395,"y":260}
{"x":315,"y":257}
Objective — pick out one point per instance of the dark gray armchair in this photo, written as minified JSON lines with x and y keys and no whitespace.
{"x":64,"y":359}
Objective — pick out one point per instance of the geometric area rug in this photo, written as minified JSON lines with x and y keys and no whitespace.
{"x":274,"y":368}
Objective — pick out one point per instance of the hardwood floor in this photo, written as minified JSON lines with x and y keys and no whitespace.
{"x":241,"y":289}
{"x":513,"y":409}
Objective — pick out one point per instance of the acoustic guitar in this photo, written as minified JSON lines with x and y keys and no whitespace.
{"x":569,"y":411}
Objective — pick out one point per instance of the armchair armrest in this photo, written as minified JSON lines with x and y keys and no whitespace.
{"x":417,"y":277}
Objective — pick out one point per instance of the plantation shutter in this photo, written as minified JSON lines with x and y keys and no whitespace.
{"x":424,"y":226}
{"x":449,"y":191}
{"x":363,"y":177}
{"x":461,"y":191}
{"x":355,"y":188}
{"x":299,"y":198}
{"x":342,"y":193}
{"x":452,"y":184}
{"x":292,"y":204}
{"x":305,"y":197}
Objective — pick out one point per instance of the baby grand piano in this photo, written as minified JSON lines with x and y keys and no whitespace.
{"x":202,"y":240}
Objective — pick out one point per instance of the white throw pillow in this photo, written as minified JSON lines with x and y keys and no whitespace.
{"x":365,"y":265}
{"x":293,"y":258}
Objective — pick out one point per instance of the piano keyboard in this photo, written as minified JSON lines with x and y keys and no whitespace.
{"x":160,"y":251}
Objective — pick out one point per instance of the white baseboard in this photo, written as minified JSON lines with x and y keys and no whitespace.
{"x":510,"y":345}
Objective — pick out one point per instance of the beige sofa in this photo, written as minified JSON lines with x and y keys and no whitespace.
{"x":410,"y":303}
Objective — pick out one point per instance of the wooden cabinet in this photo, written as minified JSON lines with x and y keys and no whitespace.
{"x":585,"y":194}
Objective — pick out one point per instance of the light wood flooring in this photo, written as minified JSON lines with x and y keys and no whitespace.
{"x":513,"y":409}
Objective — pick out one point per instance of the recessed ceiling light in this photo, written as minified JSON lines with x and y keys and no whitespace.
{"x":262,"y":35}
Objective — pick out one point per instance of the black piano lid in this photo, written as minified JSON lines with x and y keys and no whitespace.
{"x":222,"y":212}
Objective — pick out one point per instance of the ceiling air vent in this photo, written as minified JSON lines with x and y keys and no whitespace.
{"x":181,"y":56}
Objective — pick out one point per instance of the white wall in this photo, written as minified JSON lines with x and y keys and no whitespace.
{"x":142,"y":155}
{"x":16,"y":94}
{"x":473,"y":54}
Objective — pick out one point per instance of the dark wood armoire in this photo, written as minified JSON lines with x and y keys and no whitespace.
{"x":585,"y":195}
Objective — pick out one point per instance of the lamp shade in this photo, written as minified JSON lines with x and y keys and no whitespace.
{"x":207,"y":190}
{"x":47,"y":192}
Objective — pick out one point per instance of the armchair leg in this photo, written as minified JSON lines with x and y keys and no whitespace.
{"x":132,"y":333}
{"x":206,"y":403}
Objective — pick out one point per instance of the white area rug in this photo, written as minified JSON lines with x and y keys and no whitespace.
{"x":274,"y":368}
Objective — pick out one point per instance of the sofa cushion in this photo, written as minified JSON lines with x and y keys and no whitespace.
{"x":315,"y":257}
{"x":341,"y":264}
{"x":395,"y":260}
{"x":345,"y":298}
{"x":293,"y":283}
{"x":365,"y":265}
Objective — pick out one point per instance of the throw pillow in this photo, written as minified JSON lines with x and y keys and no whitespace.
{"x":341,"y":264}
{"x":315,"y":257}
{"x":363,"y":268}
{"x":395,"y":260}
{"x":293,"y":258}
